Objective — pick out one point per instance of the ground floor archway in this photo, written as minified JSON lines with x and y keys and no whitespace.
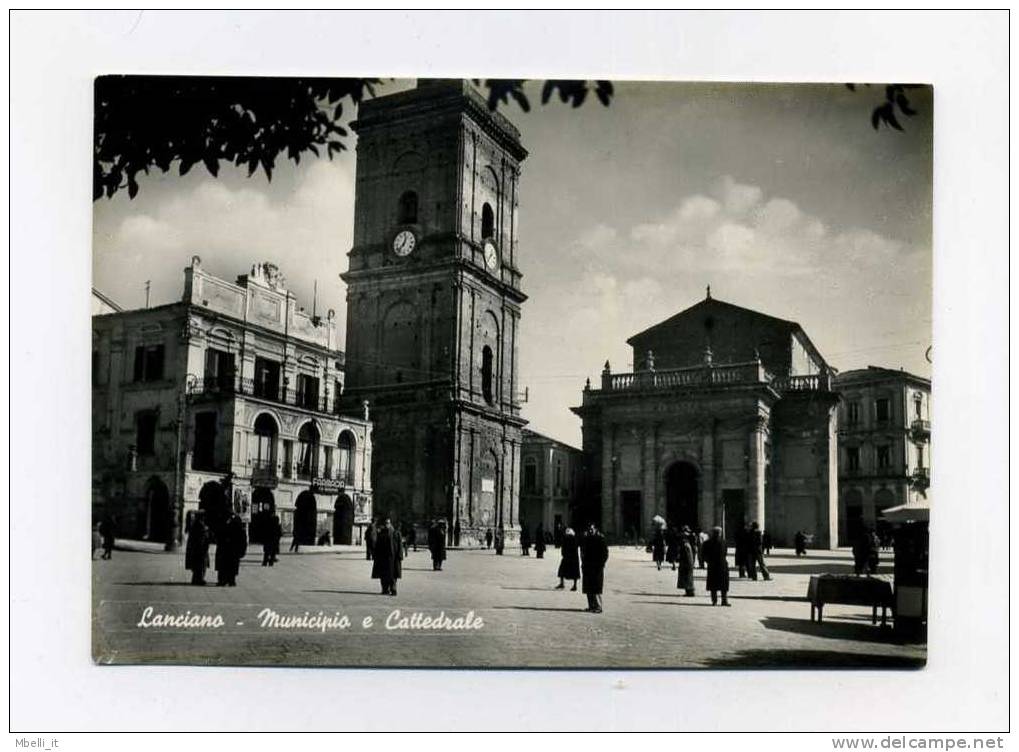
{"x":343,"y":521}
{"x":156,"y":519}
{"x":305,"y":518}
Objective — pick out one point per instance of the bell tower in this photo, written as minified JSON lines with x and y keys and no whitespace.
{"x":433,"y":305}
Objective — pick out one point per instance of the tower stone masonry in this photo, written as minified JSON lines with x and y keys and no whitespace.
{"x":433,"y":306}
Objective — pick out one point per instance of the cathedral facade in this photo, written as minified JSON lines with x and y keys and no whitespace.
{"x":433,"y":306}
{"x":728,"y":419}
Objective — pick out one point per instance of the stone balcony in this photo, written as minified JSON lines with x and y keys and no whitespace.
{"x":708,"y":376}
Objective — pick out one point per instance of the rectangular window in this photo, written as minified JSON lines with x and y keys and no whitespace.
{"x":883,"y":410}
{"x":853,"y":413}
{"x":919,"y":456}
{"x":288,"y":457}
{"x":219,"y":370}
{"x":148,"y":362}
{"x":307,"y":391}
{"x":918,"y":407}
{"x":204,"y":457}
{"x":267,"y":378}
{"x":853,"y":458}
{"x":145,"y":440}
{"x":884,"y":456}
{"x":337,"y":393}
{"x":530,"y":477}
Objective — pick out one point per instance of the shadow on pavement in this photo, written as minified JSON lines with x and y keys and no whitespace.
{"x":539,"y":589}
{"x":783,"y":598}
{"x":834,"y":630}
{"x":345,"y":592}
{"x":819,"y":659}
{"x":170,"y":583}
{"x":684,"y":602}
{"x":820,"y":568}
{"x":537,"y":608}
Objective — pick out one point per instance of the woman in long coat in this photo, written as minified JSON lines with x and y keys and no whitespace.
{"x":658,"y":547}
{"x":716,"y":557}
{"x":230,"y":549}
{"x":569,"y":567}
{"x":686,"y":562}
{"x":595,"y":553}
{"x":437,"y":545}
{"x":539,"y":541}
{"x":672,"y":546}
{"x":271,"y":544}
{"x":525,"y":541}
{"x":196,"y":554}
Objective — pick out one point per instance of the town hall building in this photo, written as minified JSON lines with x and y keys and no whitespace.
{"x":729,"y":418}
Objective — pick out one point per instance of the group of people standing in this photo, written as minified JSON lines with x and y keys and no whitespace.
{"x":866,"y":552}
{"x":231,"y":545}
{"x":751,"y":545}
{"x":584,"y":560}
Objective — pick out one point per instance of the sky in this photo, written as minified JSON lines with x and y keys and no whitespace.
{"x":782,"y":197}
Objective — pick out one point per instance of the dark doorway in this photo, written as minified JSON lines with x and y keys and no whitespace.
{"x":157,"y":511}
{"x":734,"y":510}
{"x":212,"y":500}
{"x":681,"y":495}
{"x":631,"y":503}
{"x":263,"y":506}
{"x":305,"y":518}
{"x":343,"y":521}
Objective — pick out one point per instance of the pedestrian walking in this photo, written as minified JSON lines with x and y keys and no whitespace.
{"x":594,"y":554}
{"x":800,"y":542}
{"x":861,"y":552}
{"x":412,"y":537}
{"x":369,"y":540}
{"x":569,"y":565}
{"x":672,"y":537}
{"x":701,"y":538}
{"x":741,"y":551}
{"x":755,"y":553}
{"x":488,"y":538}
{"x":874,"y":554}
{"x":716,"y":557}
{"x":196,"y":553}
{"x":387,"y":553}
{"x":686,"y":562}
{"x":500,"y":540}
{"x":108,"y":532}
{"x":658,"y":547}
{"x":231,"y":546}
{"x":295,"y":545}
{"x":766,"y":543}
{"x":525,"y":540}
{"x":539,"y":541}
{"x":437,"y":544}
{"x":273,"y":533}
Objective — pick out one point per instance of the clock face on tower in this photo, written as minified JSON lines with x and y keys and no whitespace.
{"x":491,"y":255}
{"x":404,"y":243}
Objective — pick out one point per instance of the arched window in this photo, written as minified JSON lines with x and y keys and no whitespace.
{"x":487,"y":222}
{"x":408,"y":210}
{"x":345,"y":458}
{"x":265,"y":442}
{"x":307,"y":457}
{"x":486,"y":374}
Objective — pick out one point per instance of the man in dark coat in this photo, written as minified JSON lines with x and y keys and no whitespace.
{"x":525,"y":540}
{"x":716,"y":557}
{"x":488,"y":538}
{"x":108,"y":532}
{"x":387,"y":552}
{"x":800,"y":541}
{"x":594,"y":553}
{"x":766,"y":543}
{"x":741,"y":551}
{"x":539,"y":541}
{"x":456,"y":533}
{"x":755,"y":553}
{"x":500,"y":540}
{"x":412,"y":537}
{"x":569,"y":567}
{"x":369,"y":540}
{"x":401,"y":553}
{"x":231,"y":545}
{"x":437,"y":545}
{"x":196,"y":554}
{"x":686,"y":562}
{"x":273,"y":532}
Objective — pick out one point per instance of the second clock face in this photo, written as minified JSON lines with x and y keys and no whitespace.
{"x":491,"y":255}
{"x":404,"y":243}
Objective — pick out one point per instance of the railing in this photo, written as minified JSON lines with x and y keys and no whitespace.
{"x":723,"y":375}
{"x":220,"y":387}
{"x":814,"y":382}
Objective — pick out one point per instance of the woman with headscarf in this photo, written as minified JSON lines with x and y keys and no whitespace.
{"x":196,"y":554}
{"x":569,"y":566}
{"x":658,"y":547}
{"x":716,"y":557}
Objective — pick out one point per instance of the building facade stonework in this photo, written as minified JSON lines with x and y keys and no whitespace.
{"x":884,"y":445}
{"x":550,"y":476}
{"x":226,"y":400}
{"x":729,"y":418}
{"x":434,"y":302}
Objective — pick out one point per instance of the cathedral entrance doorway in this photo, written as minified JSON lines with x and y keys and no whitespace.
{"x":631,"y":503}
{"x":681,"y":495}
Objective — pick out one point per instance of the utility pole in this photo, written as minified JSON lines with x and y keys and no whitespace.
{"x":148,"y":286}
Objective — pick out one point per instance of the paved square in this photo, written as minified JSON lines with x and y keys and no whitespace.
{"x":647,"y":622}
